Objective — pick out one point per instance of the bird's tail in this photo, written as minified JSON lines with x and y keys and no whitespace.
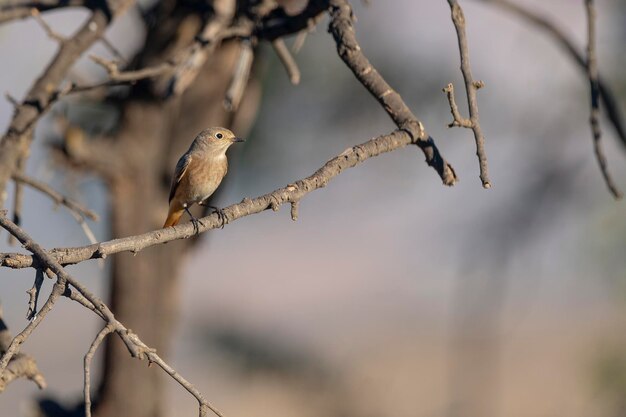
{"x":174,"y":215}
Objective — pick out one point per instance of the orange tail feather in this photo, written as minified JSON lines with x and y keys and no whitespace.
{"x":174,"y":215}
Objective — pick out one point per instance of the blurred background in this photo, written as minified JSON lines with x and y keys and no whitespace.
{"x":392,"y":294}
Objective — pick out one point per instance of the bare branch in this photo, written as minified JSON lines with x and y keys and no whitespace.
{"x":13,"y":348}
{"x":77,"y":211}
{"x":74,"y":295}
{"x":57,"y":197}
{"x":46,"y":27}
{"x":113,"y":49}
{"x":341,"y":27}
{"x":240,"y":77}
{"x":87,"y":365}
{"x":457,"y":119}
{"x":118,"y":76}
{"x":14,"y":14}
{"x":287,"y":59}
{"x":135,"y":346}
{"x":33,"y":294}
{"x":39,"y":97}
{"x":183,"y":68}
{"x":295,"y":206}
{"x":20,"y":366}
{"x":594,"y":119}
{"x":471,"y":86}
{"x":11,"y":99}
{"x":551,"y":28}
{"x":292,"y":193}
{"x":298,"y":43}
{"x":21,"y":9}
{"x":193,"y":58}
{"x":18,"y":199}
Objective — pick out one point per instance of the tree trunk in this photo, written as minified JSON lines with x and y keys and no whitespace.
{"x":145,"y":288}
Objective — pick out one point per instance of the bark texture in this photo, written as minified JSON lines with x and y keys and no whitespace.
{"x":145,"y":289}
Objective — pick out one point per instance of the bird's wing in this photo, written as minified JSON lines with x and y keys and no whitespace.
{"x":181,"y":169}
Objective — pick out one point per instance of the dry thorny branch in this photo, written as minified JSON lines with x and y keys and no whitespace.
{"x":599,"y":89}
{"x":471,"y":86}
{"x":175,"y":75}
{"x":410,"y":131}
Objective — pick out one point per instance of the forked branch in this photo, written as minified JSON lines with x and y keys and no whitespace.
{"x":471,"y":86}
{"x":342,"y":29}
{"x":135,"y":346}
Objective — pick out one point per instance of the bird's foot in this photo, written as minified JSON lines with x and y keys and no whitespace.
{"x":220,"y":215}
{"x":196,"y":222}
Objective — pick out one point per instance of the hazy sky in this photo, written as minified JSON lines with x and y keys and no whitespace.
{"x":378,"y":257}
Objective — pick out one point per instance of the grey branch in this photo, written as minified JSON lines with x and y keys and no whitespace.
{"x":135,"y":346}
{"x":342,"y":29}
{"x":457,"y":119}
{"x":20,"y":366}
{"x":240,"y":76}
{"x":16,"y":140}
{"x":78,"y":212}
{"x":57,"y":197}
{"x":193,"y":58}
{"x":287,"y":60}
{"x":21,"y":9}
{"x":46,"y":27}
{"x":18,"y":197}
{"x":102,"y":334}
{"x":14,"y":346}
{"x":608,"y":99}
{"x":292,"y":193}
{"x":471,"y":86}
{"x":594,"y":118}
{"x":33,"y":295}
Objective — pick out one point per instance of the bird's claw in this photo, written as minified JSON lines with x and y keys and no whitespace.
{"x":220,"y":215}
{"x":195,"y":221}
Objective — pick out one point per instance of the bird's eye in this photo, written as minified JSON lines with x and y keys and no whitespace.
{"x":219,"y":136}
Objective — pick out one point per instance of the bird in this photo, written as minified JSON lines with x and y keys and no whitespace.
{"x":199,"y":172}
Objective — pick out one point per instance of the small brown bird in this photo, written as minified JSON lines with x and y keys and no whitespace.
{"x":199,"y":172}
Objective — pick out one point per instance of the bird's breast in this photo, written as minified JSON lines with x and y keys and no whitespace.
{"x":204,"y":177}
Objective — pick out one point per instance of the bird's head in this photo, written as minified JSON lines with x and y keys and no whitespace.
{"x":216,"y":138}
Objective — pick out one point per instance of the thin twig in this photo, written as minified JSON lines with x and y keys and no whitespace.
{"x":57,"y":197}
{"x":33,"y":295}
{"x":193,"y":58}
{"x":611,"y":107}
{"x":18,"y":200}
{"x":17,"y":341}
{"x":471,"y":86}
{"x":13,"y":10}
{"x":135,"y":346}
{"x":287,"y":60}
{"x":21,"y":365}
{"x":298,"y":43}
{"x":292,"y":192}
{"x":109,"y":328}
{"x":116,"y":75}
{"x":74,"y":295}
{"x":342,"y":29}
{"x":46,"y":27}
{"x":240,"y":77}
{"x":16,"y":141}
{"x":594,"y":119}
{"x":457,"y":119}
{"x":113,"y":49}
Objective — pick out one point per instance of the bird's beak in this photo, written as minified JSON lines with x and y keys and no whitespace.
{"x":238,"y":140}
